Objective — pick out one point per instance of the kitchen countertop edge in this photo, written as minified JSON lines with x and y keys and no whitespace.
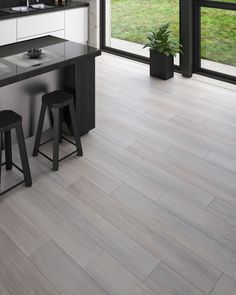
{"x":69,"y":5}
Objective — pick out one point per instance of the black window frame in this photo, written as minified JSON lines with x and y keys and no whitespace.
{"x":115,"y":51}
{"x":198,"y":4}
{"x":190,"y":38}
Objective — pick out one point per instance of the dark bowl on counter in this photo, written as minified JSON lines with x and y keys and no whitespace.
{"x":34,"y":52}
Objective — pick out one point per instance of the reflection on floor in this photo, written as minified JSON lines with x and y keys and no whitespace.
{"x":138,"y":49}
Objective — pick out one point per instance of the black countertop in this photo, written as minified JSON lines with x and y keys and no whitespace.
{"x":57,"y":53}
{"x":70,"y":4}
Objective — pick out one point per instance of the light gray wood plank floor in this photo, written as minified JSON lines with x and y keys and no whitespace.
{"x":149,"y":209}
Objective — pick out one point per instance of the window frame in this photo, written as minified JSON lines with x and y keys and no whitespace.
{"x":190,"y":38}
{"x":198,"y":4}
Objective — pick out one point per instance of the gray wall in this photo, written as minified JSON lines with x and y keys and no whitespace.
{"x":25,"y":98}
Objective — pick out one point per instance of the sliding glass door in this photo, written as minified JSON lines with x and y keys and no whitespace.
{"x":217,"y":37}
{"x":128,"y":22}
{"x":207,"y":29}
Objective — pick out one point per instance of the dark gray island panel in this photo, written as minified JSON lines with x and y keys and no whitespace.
{"x":79,"y":79}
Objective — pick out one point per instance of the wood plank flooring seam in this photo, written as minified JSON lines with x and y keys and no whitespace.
{"x":138,"y":242}
{"x":142,"y":163}
{"x":208,"y":293}
{"x":130,"y":103}
{"x":217,"y":165}
{"x":212,"y":290}
{"x":127,"y":273}
{"x":225,"y":215}
{"x":183,"y":245}
{"x":83,"y":269}
{"x":152,"y":230}
{"x":47,"y":202}
{"x":30,"y":263}
{"x":210,"y":237}
{"x":180,"y":177}
{"x":154,"y":177}
{"x":5,"y":287}
{"x":59,"y":293}
{"x":34,"y":224}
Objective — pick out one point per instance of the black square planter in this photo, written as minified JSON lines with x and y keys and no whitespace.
{"x":161,"y":66}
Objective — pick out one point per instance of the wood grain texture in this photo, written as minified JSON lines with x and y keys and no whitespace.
{"x":124,"y":173}
{"x":21,"y":229}
{"x":211,"y":172}
{"x":114,"y":278}
{"x":205,"y":222}
{"x":103,"y":180}
{"x":223,"y":160}
{"x":130,"y":253}
{"x":190,"y":266}
{"x":164,"y":281}
{"x":63,"y":273}
{"x":183,"y":177}
{"x":18,"y":274}
{"x":3,"y":289}
{"x":149,"y":208}
{"x":130,"y":161}
{"x":72,"y":240}
{"x":185,"y":233}
{"x":223,"y":210}
{"x":224,"y":286}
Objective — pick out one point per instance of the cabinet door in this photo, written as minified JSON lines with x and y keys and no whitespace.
{"x":76,"y":25}
{"x":40,"y":24}
{"x":7,"y":31}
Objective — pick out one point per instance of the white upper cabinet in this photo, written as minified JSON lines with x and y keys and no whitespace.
{"x":71,"y":24}
{"x":40,"y":24}
{"x":76,"y":25}
{"x":7,"y":31}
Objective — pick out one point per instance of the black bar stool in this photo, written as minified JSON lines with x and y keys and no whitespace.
{"x":56,"y":101}
{"x":10,"y":120}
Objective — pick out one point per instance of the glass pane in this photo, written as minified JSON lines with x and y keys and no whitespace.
{"x":234,"y":1}
{"x":128,"y":21}
{"x":218,"y":40}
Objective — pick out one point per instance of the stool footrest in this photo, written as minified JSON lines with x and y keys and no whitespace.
{"x":15,"y":185}
{"x":47,"y":141}
{"x":13,"y":164}
{"x":63,"y":158}
{"x":69,"y":140}
{"x":12,"y":187}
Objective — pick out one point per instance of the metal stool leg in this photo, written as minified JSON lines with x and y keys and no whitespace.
{"x":8,"y":150}
{"x":60,"y":125}
{"x":23,"y":154}
{"x":0,"y":161}
{"x":56,"y":131}
{"x":39,"y":130}
{"x":75,"y":130}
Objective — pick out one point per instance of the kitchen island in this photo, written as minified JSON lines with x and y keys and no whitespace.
{"x":73,"y":66}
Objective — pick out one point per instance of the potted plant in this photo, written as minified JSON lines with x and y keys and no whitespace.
{"x":162,"y":52}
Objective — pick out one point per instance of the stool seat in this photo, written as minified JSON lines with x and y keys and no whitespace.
{"x":57,"y":99}
{"x":8,"y":118}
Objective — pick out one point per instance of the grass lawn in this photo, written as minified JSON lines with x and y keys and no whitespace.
{"x":132,"y":19}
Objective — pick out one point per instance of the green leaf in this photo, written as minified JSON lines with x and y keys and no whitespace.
{"x":161,"y":41}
